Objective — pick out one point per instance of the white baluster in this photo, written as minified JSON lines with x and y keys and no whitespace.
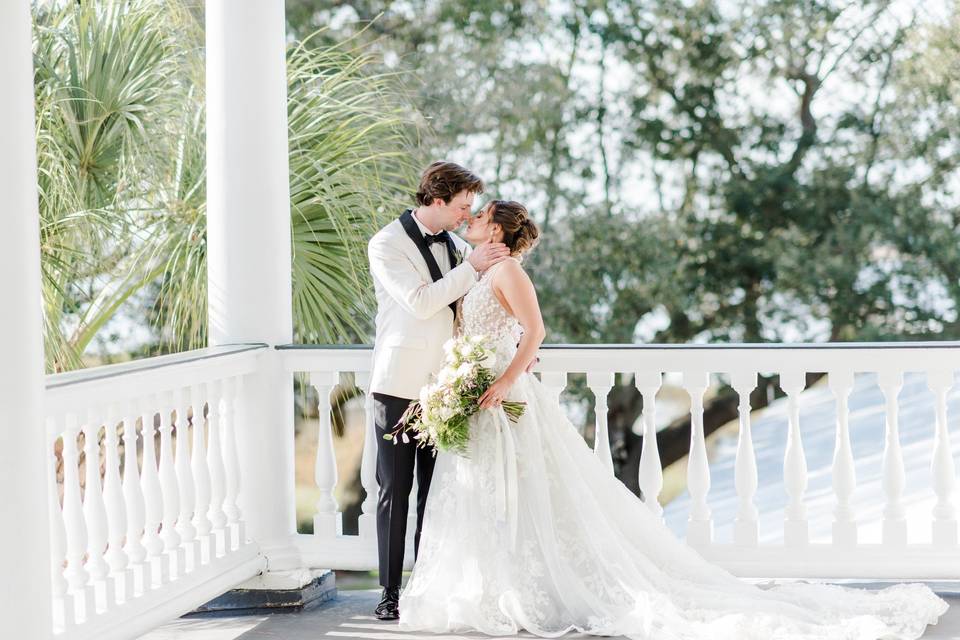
{"x":76,"y":528}
{"x":368,"y":463}
{"x":650,"y":473}
{"x":327,"y":521}
{"x":218,"y":519}
{"x":894,"y":515}
{"x":58,"y":542}
{"x":555,"y":381}
{"x":95,"y":513}
{"x":133,"y":502}
{"x":201,"y":477}
{"x":169,"y":490}
{"x":700,"y":523}
{"x":233,"y":390}
{"x":188,"y":533}
{"x":600,"y":383}
{"x":116,"y":513}
{"x":944,"y":531}
{"x":152,"y":498}
{"x":745,"y":524}
{"x":796,"y":530}
{"x":844,"y":473}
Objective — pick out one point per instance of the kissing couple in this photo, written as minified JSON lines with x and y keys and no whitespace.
{"x":529,"y":531}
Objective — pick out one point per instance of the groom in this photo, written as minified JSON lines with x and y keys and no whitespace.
{"x":419,"y":272}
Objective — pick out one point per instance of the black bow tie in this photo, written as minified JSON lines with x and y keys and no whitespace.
{"x":439,"y":237}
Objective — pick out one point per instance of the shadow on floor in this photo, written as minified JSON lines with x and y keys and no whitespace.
{"x":350,"y":616}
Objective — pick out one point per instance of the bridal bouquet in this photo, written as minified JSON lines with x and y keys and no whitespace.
{"x":440,"y":417}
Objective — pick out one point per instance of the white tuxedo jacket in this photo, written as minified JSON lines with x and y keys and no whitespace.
{"x":414,"y":317}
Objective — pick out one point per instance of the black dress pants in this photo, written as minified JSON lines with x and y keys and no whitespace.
{"x":395,"y":468}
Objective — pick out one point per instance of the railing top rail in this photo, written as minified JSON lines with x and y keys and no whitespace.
{"x":694,"y":359}
{"x":940,"y":344}
{"x":58,"y":380}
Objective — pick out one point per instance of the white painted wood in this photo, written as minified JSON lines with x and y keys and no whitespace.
{"x":25,"y":591}
{"x":650,"y":474}
{"x":796,"y":528}
{"x":218,"y":519}
{"x":133,"y":492}
{"x":231,"y":463}
{"x":600,"y":383}
{"x":139,"y":575}
{"x":894,"y":514}
{"x":113,"y":501}
{"x":58,"y":544}
{"x":844,"y":475}
{"x":153,"y":504}
{"x":555,"y":381}
{"x":198,"y":468}
{"x":368,"y":463}
{"x":182,"y":466}
{"x":249,"y":251}
{"x":168,"y":479}
{"x":327,"y":521}
{"x":74,"y":523}
{"x":745,"y":529}
{"x":700,"y":523}
{"x":944,"y":527}
{"x":94,"y":510}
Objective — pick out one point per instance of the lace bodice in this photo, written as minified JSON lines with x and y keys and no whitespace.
{"x":482,"y":314}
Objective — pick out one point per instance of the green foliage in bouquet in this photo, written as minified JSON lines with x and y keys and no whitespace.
{"x":440,"y":418}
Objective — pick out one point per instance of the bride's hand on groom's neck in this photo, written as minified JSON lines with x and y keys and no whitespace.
{"x":488,"y":254}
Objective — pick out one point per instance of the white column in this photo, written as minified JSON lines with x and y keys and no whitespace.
{"x":25,"y":590}
{"x":248,"y":249}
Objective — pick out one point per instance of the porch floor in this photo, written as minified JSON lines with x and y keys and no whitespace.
{"x":349,"y":616}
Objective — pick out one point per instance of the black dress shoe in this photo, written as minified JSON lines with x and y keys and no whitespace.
{"x":388,"y":608}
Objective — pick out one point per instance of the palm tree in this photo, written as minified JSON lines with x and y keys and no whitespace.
{"x":120,"y":124}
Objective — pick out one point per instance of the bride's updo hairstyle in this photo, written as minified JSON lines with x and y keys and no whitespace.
{"x":520,"y":232}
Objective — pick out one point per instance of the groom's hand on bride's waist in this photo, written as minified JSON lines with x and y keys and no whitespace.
{"x":487,"y":255}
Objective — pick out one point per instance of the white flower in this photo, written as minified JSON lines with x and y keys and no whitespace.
{"x":449,"y":346}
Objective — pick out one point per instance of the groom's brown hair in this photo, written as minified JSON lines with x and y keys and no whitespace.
{"x":444,"y":180}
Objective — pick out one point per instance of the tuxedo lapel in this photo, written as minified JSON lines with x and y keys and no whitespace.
{"x":452,"y":251}
{"x":413,"y":231}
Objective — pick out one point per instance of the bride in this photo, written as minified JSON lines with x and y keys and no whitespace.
{"x":531,"y":532}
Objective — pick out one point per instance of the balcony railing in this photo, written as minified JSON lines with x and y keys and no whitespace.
{"x":143,"y":531}
{"x":145,"y":483}
{"x":844,"y":555}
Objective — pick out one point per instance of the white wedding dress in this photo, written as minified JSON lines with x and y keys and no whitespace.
{"x":531,"y":532}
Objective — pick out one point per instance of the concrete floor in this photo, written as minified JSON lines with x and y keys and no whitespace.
{"x":350,"y":616}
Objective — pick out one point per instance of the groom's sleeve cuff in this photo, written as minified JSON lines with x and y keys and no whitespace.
{"x":476,"y":274}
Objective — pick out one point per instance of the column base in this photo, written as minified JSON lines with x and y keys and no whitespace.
{"x":273,"y":592}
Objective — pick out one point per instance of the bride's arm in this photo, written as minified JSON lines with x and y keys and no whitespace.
{"x":513,"y":286}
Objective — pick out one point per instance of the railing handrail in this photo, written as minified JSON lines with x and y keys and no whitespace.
{"x":920,"y":344}
{"x":80,"y":376}
{"x":783,"y":359}
{"x":135,"y":381}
